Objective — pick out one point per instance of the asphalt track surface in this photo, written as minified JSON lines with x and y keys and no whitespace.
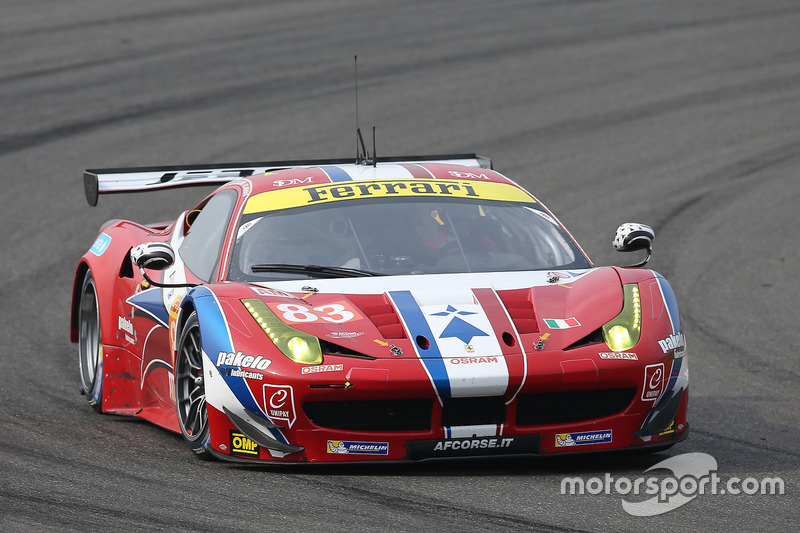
{"x":680,"y":114}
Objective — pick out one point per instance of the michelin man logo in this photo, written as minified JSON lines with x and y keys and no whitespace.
{"x":564,"y":439}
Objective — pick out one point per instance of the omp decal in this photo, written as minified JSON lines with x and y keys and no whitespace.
{"x":583,"y":437}
{"x":358,"y":447}
{"x":332,"y":192}
{"x":562,"y":323}
{"x":417,"y":326}
{"x":150,"y":302}
{"x":242,"y":446}
{"x":101,"y":244}
{"x":336,"y":173}
{"x":670,"y":429}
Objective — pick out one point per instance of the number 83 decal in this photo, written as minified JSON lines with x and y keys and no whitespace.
{"x":337,"y":313}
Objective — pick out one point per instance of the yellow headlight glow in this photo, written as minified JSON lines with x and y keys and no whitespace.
{"x":623,"y":332}
{"x":297,"y":345}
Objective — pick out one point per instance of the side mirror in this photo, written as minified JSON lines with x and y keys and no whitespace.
{"x":631,"y":237}
{"x":153,"y":255}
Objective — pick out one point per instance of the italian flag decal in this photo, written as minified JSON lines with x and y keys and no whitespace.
{"x":562,"y":323}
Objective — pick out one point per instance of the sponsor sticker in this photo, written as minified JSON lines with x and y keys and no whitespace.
{"x":654,"y":382}
{"x":124,"y":324}
{"x":261,"y":291}
{"x":471,"y":360}
{"x":242,"y":446}
{"x":100,"y":245}
{"x":293,"y":182}
{"x":236,"y":373}
{"x":562,"y":323}
{"x":321,"y":368}
{"x":583,"y":437}
{"x":473,"y":446}
{"x":344,"y":334}
{"x":243,"y":361}
{"x":337,"y":191}
{"x":669,"y":431}
{"x":279,"y":403}
{"x":474,"y":443}
{"x":672,"y":342}
{"x":630,"y":356}
{"x":358,"y":447}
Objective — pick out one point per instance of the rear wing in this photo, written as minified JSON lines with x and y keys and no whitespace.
{"x":119,"y":180}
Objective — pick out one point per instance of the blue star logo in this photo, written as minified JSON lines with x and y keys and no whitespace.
{"x":458,"y":327}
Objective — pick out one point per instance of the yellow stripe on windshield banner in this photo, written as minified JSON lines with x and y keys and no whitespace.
{"x":334,"y":192}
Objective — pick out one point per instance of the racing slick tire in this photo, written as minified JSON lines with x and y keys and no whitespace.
{"x":90,"y":344}
{"x":190,"y":392}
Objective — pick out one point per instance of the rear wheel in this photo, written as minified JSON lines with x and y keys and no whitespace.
{"x":190,"y":391}
{"x":90,"y":344}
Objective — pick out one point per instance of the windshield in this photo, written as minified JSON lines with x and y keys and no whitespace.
{"x":400,"y":236}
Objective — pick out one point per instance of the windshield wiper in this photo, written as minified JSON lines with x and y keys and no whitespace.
{"x":330,"y":271}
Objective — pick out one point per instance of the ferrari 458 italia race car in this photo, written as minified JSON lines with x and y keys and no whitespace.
{"x":412,"y":308}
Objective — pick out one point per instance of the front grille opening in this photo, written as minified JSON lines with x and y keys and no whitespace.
{"x":544,"y":408}
{"x":372,"y":415}
{"x":473,"y":411}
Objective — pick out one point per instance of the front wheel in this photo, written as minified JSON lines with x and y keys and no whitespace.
{"x":90,"y":344}
{"x":190,"y":391}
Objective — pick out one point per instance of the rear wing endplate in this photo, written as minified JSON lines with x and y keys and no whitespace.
{"x":120,"y":180}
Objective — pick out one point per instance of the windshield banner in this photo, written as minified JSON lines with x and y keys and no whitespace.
{"x":333,"y":192}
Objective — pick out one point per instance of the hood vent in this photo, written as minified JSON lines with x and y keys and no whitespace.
{"x":381,"y":313}
{"x":594,"y":337}
{"x":520,"y":309}
{"x":330,"y":348}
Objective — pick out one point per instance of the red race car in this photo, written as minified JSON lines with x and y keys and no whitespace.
{"x":413,"y":308}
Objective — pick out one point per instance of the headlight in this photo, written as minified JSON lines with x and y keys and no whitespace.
{"x":298,"y":346}
{"x":623,"y":332}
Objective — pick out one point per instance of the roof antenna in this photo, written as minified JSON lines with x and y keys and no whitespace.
{"x":374,"y":150}
{"x":362,"y":156}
